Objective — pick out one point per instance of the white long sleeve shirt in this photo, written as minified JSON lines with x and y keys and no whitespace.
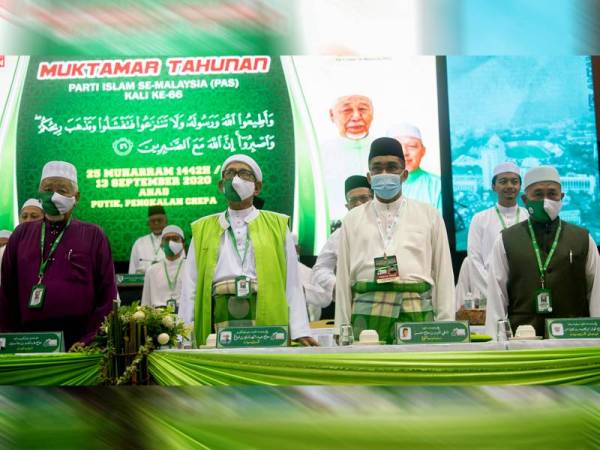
{"x":323,"y":272}
{"x":484,"y":229}
{"x":497,"y":293}
{"x":229,"y":266}
{"x":156,"y":286}
{"x":419,"y":242}
{"x":145,"y":251}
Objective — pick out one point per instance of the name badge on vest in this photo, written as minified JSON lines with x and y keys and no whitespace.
{"x":242,"y":286}
{"x":36,"y":298}
{"x":543,"y":301}
{"x":386,"y":269}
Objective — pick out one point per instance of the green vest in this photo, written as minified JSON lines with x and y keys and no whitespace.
{"x":566,"y":279}
{"x":267,"y":233}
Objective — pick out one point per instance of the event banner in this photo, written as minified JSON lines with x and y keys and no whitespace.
{"x":156,"y":130}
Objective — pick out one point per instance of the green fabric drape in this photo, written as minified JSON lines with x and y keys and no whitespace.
{"x":517,"y":367}
{"x":59,"y":369}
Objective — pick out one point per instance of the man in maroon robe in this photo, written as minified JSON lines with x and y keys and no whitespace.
{"x":75,"y":289}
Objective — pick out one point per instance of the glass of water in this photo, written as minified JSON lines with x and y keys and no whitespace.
{"x":504,"y":331}
{"x":346,"y":335}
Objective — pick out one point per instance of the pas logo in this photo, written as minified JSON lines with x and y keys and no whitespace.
{"x":2,"y":61}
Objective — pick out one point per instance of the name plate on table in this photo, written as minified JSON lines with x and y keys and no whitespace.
{"x":432,"y":332}
{"x":583,"y":328}
{"x":44,"y":342}
{"x":274,"y":336}
{"x":130,"y":278}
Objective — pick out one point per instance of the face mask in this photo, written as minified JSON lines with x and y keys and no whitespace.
{"x":386,"y":185}
{"x":172,"y":248}
{"x":237,"y":190}
{"x":543,"y":211}
{"x":55,"y":204}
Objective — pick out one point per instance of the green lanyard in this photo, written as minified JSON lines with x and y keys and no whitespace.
{"x":234,"y":242}
{"x":536,"y":249}
{"x":44,"y":262}
{"x":157,"y":248}
{"x":170,"y":283}
{"x":502,"y":219}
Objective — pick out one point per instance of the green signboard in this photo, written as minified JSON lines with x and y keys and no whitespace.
{"x":272,"y":336}
{"x":44,"y":342}
{"x":569,"y":328}
{"x":432,"y":332}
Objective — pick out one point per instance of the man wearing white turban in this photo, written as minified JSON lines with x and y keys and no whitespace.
{"x":241,"y":268}
{"x":543,"y":267}
{"x":31,"y":211}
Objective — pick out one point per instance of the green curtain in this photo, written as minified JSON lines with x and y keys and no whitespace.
{"x":517,"y":367}
{"x":54,"y":369}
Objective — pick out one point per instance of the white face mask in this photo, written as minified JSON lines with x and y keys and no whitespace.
{"x":552,"y":207}
{"x":176,"y":247}
{"x":62,"y":203}
{"x":245,"y":189}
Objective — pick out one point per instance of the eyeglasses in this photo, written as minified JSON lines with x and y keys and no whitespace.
{"x":391,"y":167}
{"x":359,"y":199}
{"x":244,"y":174}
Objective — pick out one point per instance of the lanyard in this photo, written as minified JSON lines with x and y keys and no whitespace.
{"x":536,"y":248}
{"x":155,"y":248}
{"x":502,"y":219}
{"x":392,"y":228}
{"x":173,"y":283}
{"x":44,"y":262}
{"x":234,"y":242}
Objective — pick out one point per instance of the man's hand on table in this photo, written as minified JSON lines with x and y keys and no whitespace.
{"x":307,"y":341}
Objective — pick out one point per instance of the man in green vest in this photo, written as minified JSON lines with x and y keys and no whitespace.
{"x":242,"y":268}
{"x":543,"y":267}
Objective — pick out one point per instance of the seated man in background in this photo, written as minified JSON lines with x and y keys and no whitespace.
{"x":162,"y":281}
{"x":31,"y":211}
{"x":394,"y":261}
{"x":358,"y":191}
{"x":147,"y":249}
{"x":242,"y":267}
{"x":57,"y":273}
{"x":543,"y":267}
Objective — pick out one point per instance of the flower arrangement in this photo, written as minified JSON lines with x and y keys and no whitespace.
{"x":128,"y":334}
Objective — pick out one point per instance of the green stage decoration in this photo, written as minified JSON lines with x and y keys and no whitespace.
{"x":58,"y":369}
{"x":515,"y":367}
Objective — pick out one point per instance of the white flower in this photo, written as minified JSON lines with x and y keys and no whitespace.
{"x":139,"y":316}
{"x":163,"y":338}
{"x":168,"y":321}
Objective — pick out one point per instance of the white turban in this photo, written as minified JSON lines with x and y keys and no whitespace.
{"x":246,"y":160}
{"x":5,"y":234}
{"x":541,"y":173}
{"x":32,"y":202}
{"x":172,"y":229}
{"x":506,"y":167}
{"x":404,"y":129}
{"x":60,"y":169}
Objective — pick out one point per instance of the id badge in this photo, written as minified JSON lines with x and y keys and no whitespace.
{"x":386,"y":269}
{"x":173,"y":304}
{"x":543,"y":301}
{"x":242,"y":286}
{"x":36,"y":298}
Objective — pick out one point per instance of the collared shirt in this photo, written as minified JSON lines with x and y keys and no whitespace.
{"x":156,"y":286}
{"x":419,"y":242}
{"x":424,"y":187}
{"x":229,"y":266}
{"x":145,"y":251}
{"x":323,"y":272}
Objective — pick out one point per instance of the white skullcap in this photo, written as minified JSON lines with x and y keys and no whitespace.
{"x":60,"y":169}
{"x":172,"y":229}
{"x":541,"y":173}
{"x":32,"y":202}
{"x":246,"y":160}
{"x":506,"y":167}
{"x":404,"y":129}
{"x":5,"y":234}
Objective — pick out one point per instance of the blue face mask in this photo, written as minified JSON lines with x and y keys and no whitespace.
{"x":386,"y":185}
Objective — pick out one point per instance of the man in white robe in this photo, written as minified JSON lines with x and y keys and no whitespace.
{"x":147,"y":250}
{"x":162,"y":281}
{"x":394,"y":262}
{"x":486,"y":227}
